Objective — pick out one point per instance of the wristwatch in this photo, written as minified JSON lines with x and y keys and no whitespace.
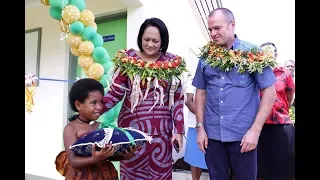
{"x":198,"y":125}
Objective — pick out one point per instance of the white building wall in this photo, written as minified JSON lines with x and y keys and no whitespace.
{"x":260,"y":21}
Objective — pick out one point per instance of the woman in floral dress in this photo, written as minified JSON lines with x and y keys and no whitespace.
{"x":153,"y":101}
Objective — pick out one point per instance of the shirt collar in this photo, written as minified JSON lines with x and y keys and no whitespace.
{"x":236,"y":42}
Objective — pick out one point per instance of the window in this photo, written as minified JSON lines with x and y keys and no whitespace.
{"x":32,"y":51}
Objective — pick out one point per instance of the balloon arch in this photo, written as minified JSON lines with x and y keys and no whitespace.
{"x":78,"y":28}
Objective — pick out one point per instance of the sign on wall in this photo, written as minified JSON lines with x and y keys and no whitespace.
{"x":109,"y":38}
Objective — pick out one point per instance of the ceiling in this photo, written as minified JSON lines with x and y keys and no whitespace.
{"x":202,"y":8}
{"x":32,"y":2}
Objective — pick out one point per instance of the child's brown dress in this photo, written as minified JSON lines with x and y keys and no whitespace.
{"x":101,"y":171}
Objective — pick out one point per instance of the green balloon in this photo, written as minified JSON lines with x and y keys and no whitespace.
{"x":80,"y":4}
{"x":55,"y":13}
{"x":88,"y":33}
{"x":103,"y":80}
{"x":60,"y":4}
{"x":76,"y":28}
{"x":107,"y":57}
{"x":104,"y":59}
{"x":97,"y":40}
{"x":107,"y":66}
{"x":98,"y":54}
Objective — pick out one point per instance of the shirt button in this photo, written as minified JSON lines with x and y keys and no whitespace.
{"x":221,"y":117}
{"x":222,"y":77}
{"x":221,"y":89}
{"x":221,"y":101}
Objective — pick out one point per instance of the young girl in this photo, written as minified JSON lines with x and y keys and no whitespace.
{"x":85,"y":97}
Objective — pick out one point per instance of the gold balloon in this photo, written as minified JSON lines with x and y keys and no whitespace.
{"x":87,"y":17}
{"x":70,"y":14}
{"x":85,"y":61}
{"x":75,"y":51}
{"x":64,"y":26}
{"x":86,"y":72}
{"x":96,"y":71}
{"x":86,"y":48}
{"x":94,"y":25}
{"x":74,"y":40}
{"x":45,"y":2}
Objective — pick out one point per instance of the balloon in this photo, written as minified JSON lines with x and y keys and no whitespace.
{"x":96,"y":71}
{"x":88,"y":33}
{"x":75,"y":51}
{"x":107,"y":66}
{"x":99,"y":53}
{"x":103,"y":60}
{"x":86,"y":72}
{"x":94,"y":25}
{"x":55,"y":13}
{"x":60,"y":4}
{"x":63,"y":26}
{"x":74,"y":40}
{"x":70,"y":14}
{"x":80,"y":4}
{"x":76,"y":28}
{"x":106,"y":58}
{"x":45,"y":2}
{"x":87,"y":17}
{"x":103,"y":80}
{"x":85,"y":61}
{"x":97,"y":40}
{"x":86,"y":48}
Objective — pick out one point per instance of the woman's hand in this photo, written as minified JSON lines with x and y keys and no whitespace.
{"x":178,"y":137}
{"x":107,"y":151}
{"x":129,"y":154}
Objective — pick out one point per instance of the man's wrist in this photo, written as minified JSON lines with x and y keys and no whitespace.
{"x":256,"y":128}
{"x":198,"y":125}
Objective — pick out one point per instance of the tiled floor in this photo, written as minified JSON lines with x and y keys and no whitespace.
{"x":182,"y":175}
{"x":186,"y":175}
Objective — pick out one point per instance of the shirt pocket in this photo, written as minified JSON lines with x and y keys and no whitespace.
{"x":240,"y":79}
{"x":211,"y":74}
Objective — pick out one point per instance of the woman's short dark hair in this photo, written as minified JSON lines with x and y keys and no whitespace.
{"x":164,"y":34}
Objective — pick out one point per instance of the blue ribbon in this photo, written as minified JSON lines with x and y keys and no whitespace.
{"x":60,"y":80}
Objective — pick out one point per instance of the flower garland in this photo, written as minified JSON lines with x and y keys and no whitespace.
{"x":225,"y":59}
{"x":145,"y":69}
{"x":146,"y":72}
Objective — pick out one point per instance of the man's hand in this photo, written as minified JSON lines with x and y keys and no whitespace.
{"x":249,"y":141}
{"x":202,"y":139}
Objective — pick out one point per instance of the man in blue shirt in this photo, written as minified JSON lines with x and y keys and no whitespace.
{"x":229,"y":112}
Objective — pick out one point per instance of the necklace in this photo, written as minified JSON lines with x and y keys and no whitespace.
{"x":87,"y":122}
